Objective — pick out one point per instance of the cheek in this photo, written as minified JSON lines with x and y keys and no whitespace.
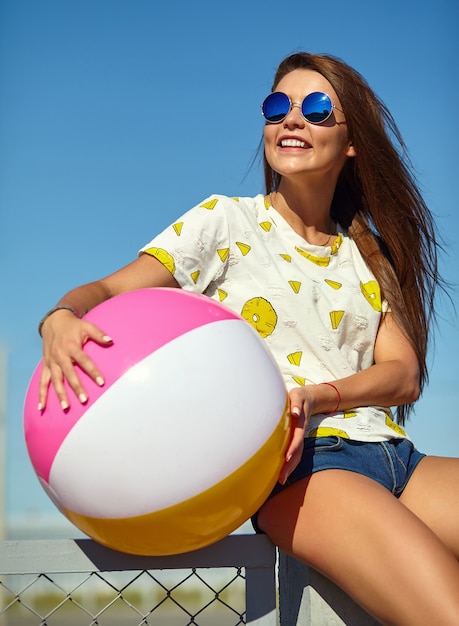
{"x":269,"y":134}
{"x":269,"y":140}
{"x":335,"y":142}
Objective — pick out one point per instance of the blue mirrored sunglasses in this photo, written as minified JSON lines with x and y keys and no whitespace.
{"x":315,"y":108}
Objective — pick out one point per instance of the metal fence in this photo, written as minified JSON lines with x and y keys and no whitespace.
{"x":79,"y":582}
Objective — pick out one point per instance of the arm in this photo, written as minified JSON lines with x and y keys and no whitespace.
{"x":391,"y":381}
{"x":64,"y":335}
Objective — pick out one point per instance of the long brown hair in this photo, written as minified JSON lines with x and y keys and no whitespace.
{"x":378,"y":202}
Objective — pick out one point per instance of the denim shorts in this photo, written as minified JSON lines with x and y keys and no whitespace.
{"x":389,"y":463}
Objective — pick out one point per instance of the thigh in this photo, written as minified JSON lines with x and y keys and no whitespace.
{"x":432,"y":493}
{"x":357,"y":533}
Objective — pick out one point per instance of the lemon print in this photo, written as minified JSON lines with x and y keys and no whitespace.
{"x":223,"y":254}
{"x":318,"y":260}
{"x":333,"y":284}
{"x":295,"y":285}
{"x":195,"y":276}
{"x":209,"y":205}
{"x":395,"y":427}
{"x":299,"y":380}
{"x":261,"y":315}
{"x":372,"y":294}
{"x":178,"y":228}
{"x":286,"y":257}
{"x":335,"y":318}
{"x":337,"y":244}
{"x":295,"y":358}
{"x":327,"y":431}
{"x":236,"y":198}
{"x":164,"y":257}
{"x":222,"y":294}
{"x":243,"y":247}
{"x":266,"y":226}
{"x":267,"y":205}
{"x":348,"y":414}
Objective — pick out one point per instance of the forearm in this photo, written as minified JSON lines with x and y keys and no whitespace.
{"x":78,"y":301}
{"x":145,"y":271}
{"x":390,"y":383}
{"x":85,"y":297}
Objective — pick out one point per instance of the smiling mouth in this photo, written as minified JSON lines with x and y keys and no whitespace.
{"x":293,"y":143}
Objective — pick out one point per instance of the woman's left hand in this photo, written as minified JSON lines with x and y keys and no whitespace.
{"x":300,"y":412}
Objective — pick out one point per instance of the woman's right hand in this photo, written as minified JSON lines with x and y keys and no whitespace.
{"x":64,"y":336}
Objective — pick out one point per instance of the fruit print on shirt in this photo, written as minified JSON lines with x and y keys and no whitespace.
{"x":261,"y":315}
{"x":317,"y":308}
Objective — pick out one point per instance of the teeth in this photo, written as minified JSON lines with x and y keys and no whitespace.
{"x":292,"y":143}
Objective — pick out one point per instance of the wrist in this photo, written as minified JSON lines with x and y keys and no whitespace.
{"x":59,"y":307}
{"x":337,"y":401}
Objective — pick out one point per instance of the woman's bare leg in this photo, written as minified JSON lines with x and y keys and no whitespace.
{"x":433,"y":495}
{"x":359,"y":535}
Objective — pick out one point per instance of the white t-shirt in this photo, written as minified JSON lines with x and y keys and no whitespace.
{"x":317,"y":308}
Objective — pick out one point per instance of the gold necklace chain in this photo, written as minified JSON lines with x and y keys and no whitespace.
{"x":312,"y":244}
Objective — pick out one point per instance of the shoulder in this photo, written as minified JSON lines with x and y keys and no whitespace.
{"x":245,"y":203}
{"x":369,"y":286}
{"x":350,"y":254}
{"x":233,"y":210}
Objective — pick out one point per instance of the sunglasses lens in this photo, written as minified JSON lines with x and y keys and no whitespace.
{"x":317,"y":107}
{"x":275,"y":107}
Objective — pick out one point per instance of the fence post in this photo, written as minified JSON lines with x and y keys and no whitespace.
{"x":260,"y":596}
{"x":306,"y":598}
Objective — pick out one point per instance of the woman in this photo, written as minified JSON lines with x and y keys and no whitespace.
{"x":336,"y":268}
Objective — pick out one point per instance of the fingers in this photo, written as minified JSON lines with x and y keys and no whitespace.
{"x":293,"y":454}
{"x":66,"y":371}
{"x":299,"y":413}
{"x":297,"y":401}
{"x":63,"y":351}
{"x":45,"y":379}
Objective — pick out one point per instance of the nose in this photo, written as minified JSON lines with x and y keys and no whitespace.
{"x":294,"y":116}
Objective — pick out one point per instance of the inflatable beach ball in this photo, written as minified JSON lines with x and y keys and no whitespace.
{"x":184,"y":441}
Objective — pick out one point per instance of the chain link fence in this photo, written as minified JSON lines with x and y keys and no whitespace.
{"x":79,"y":583}
{"x":144,"y":597}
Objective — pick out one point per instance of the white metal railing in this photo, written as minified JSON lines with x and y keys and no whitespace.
{"x":305,"y":597}
{"x":253,"y":557}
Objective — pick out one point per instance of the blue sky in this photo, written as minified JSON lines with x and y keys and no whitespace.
{"x":116,"y":116}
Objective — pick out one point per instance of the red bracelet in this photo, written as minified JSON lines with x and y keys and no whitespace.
{"x":339,"y":397}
